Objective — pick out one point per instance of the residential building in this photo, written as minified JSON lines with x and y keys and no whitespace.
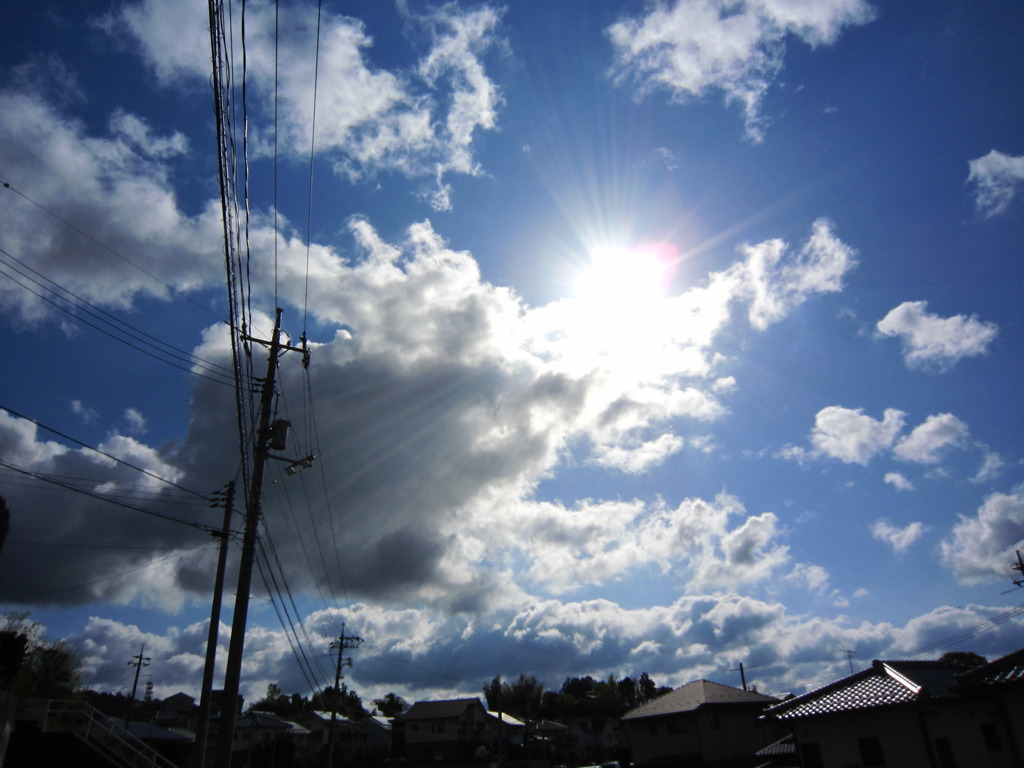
{"x":450,"y":731}
{"x":700,"y":723}
{"x":912,"y":713}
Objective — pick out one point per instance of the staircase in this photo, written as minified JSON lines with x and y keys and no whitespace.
{"x":108,"y":737}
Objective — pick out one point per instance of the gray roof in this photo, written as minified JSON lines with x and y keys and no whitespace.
{"x":696,"y":694}
{"x":884,"y":683}
{"x":439,"y":710}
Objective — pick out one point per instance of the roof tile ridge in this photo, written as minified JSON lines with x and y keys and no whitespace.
{"x":902,"y":679}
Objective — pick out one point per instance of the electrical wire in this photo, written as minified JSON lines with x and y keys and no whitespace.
{"x":110,"y":250}
{"x":102,"y":453}
{"x":115,"y":502}
{"x":131,"y":331}
{"x":118,"y":575}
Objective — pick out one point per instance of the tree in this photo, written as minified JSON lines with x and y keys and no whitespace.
{"x":33,"y":666}
{"x":391,"y":705}
{"x":963,"y":659}
{"x":345,"y":702}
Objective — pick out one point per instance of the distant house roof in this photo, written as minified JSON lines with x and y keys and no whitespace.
{"x":1008,"y":669}
{"x":438,"y":710}
{"x":507,"y":719}
{"x":257,"y":720}
{"x":689,"y":697}
{"x":884,"y":683}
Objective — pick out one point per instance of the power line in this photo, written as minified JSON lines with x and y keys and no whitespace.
{"x":119,"y":574}
{"x":109,"y":500}
{"x":110,"y":250}
{"x":132,"y":332}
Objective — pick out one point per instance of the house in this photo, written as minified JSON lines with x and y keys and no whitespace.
{"x":509,"y":733}
{"x":927,"y":713}
{"x":266,"y":731}
{"x":591,"y":740}
{"x":700,"y":723}
{"x":455,"y":730}
{"x":178,"y":711}
{"x":367,"y":740}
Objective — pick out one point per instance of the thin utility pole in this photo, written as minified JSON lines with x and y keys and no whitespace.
{"x":849,"y":657}
{"x":343,"y":643}
{"x":266,"y":439}
{"x":203,"y":727}
{"x":138,"y":662}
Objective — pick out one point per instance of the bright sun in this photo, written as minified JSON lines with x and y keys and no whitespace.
{"x":623,"y":277}
{"x":621,"y":305}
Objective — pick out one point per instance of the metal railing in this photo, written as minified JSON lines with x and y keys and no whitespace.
{"x":105,"y":735}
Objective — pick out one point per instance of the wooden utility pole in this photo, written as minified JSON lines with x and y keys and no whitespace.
{"x":253,"y":509}
{"x":203,"y":727}
{"x":343,"y":643}
{"x":138,"y":662}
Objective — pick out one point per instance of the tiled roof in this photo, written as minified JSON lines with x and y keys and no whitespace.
{"x":1008,"y":669}
{"x":692,"y":695}
{"x":783,"y":747}
{"x":884,"y":683}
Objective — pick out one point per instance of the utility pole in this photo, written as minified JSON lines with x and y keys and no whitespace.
{"x":849,"y":657}
{"x":743,"y":674}
{"x":138,"y":662}
{"x":343,"y":643}
{"x":203,"y":727}
{"x":266,"y":439}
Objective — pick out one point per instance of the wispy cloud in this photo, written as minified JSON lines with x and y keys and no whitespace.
{"x":420,"y":122}
{"x":690,"y":48}
{"x":899,"y":539}
{"x":996,"y":178}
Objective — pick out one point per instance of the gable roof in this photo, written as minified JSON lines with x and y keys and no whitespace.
{"x":696,"y":694}
{"x":884,"y":683}
{"x":438,"y":710}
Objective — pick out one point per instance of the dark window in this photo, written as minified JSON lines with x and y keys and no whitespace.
{"x":676,"y":724}
{"x":652,"y":727}
{"x":715,"y":722}
{"x":871,"y":751}
{"x":415,"y":726}
{"x":810,"y":755}
{"x":993,"y":741}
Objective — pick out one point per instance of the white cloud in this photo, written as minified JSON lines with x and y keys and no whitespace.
{"x":982,"y":547}
{"x":851,"y":436}
{"x":996,"y":177}
{"x":420,"y":122}
{"x":991,"y":467}
{"x":924,"y":444}
{"x":550,"y":638}
{"x":899,"y":539}
{"x":930,"y":340}
{"x":693,"y":47}
{"x":898,"y":481}
{"x":88,"y":415}
{"x":117,"y":186}
{"x":776,"y":283}
{"x":638,"y":458}
{"x":136,"y":422}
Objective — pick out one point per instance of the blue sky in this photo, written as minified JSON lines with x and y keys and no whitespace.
{"x":643,"y":337}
